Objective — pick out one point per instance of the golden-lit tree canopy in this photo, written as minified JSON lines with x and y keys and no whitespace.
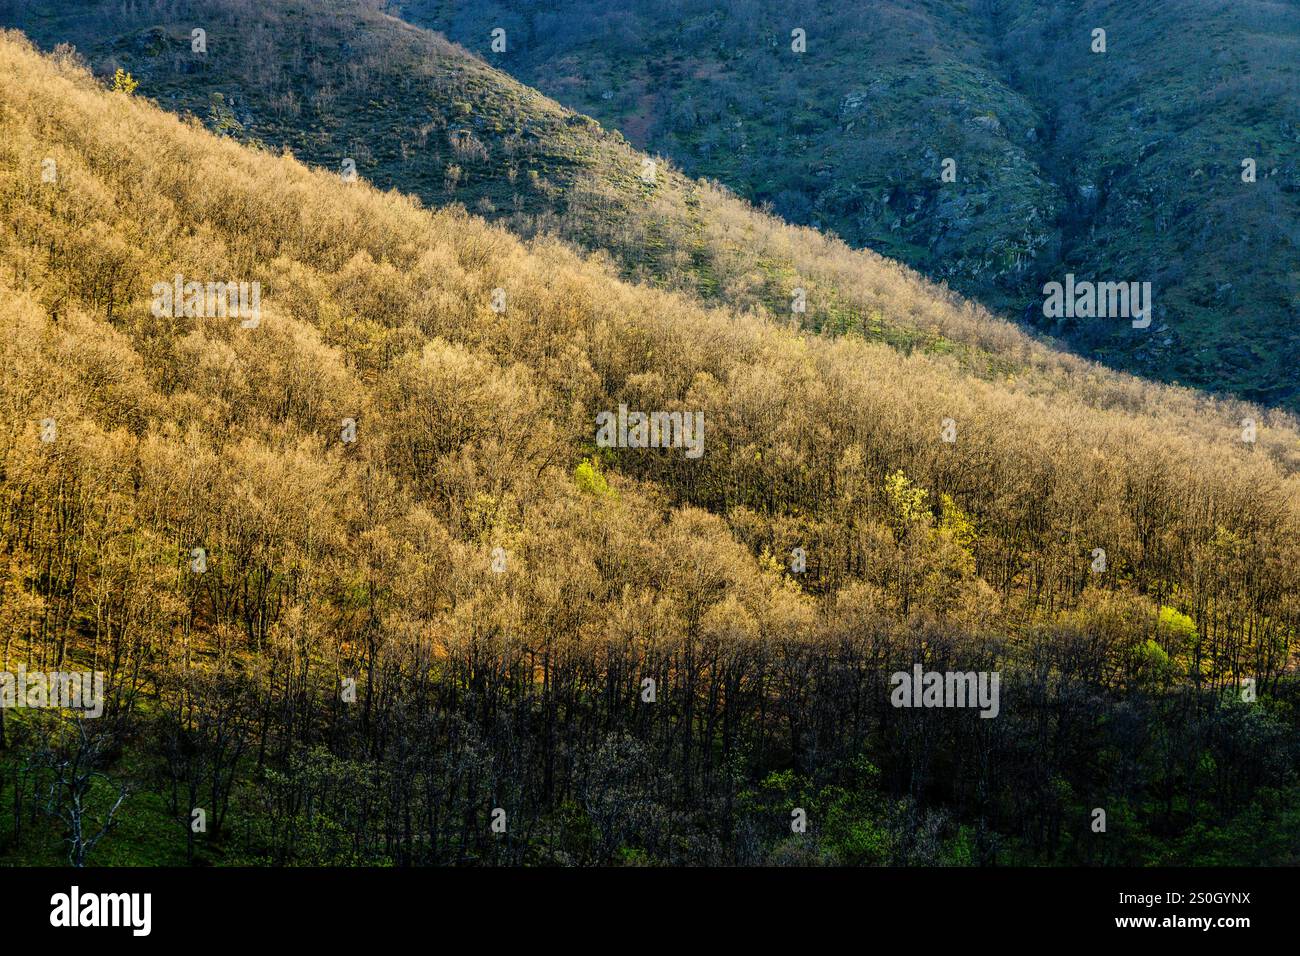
{"x":393,"y":478}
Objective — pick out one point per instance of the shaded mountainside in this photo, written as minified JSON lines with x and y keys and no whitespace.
{"x":499,"y":588}
{"x":339,"y":79}
{"x":1123,"y":165}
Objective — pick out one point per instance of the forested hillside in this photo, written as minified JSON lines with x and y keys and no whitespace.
{"x":360,"y":575}
{"x":334,"y":80}
{"x":1121,"y":163}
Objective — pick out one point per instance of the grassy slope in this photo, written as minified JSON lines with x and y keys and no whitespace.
{"x":353,"y":82}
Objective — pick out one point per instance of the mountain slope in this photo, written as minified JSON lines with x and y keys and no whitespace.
{"x":1122,"y":166}
{"x":383,"y":478}
{"x":408,"y":107}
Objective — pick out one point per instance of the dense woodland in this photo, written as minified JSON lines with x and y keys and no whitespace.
{"x":513,"y":678}
{"x":329,"y":79}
